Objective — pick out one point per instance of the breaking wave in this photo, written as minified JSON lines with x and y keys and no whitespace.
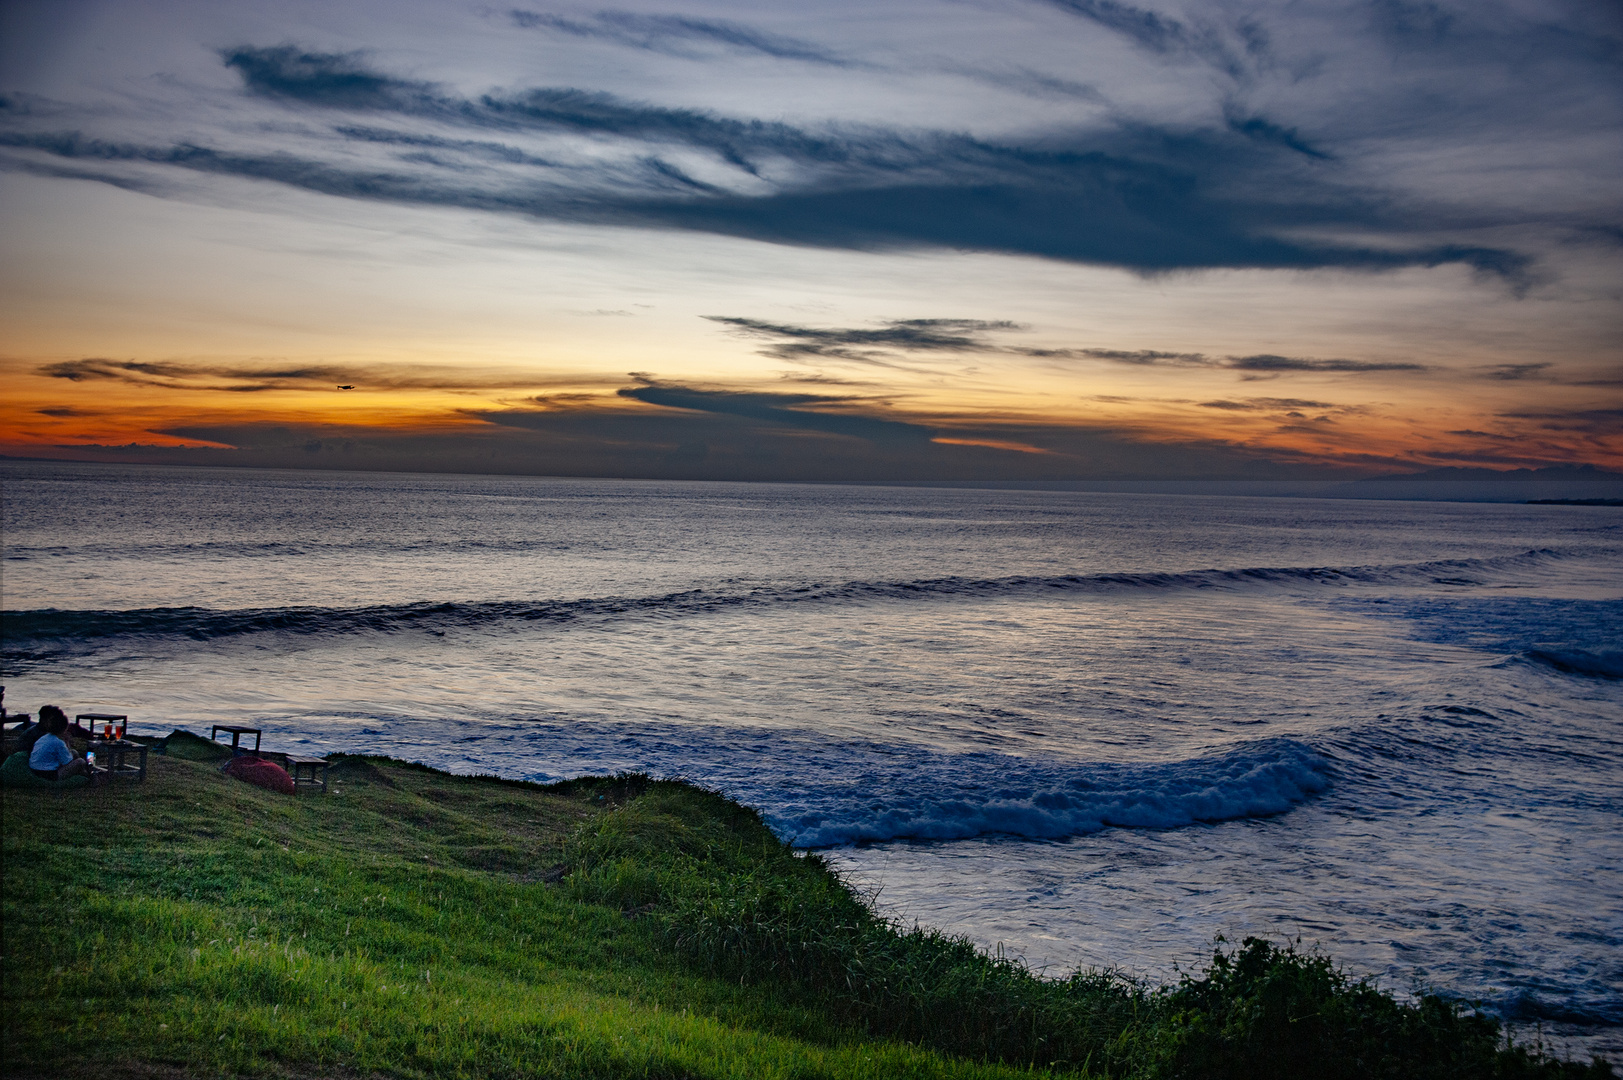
{"x":1600,"y":664}
{"x":963,"y":797}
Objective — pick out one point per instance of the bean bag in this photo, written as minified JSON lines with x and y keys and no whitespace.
{"x":16,"y":773}
{"x":262,"y":773}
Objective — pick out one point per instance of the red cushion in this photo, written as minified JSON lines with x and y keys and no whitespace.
{"x":263,"y":773}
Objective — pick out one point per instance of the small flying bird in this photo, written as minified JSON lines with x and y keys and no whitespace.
{"x":347,"y":386}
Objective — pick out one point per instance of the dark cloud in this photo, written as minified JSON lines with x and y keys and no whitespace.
{"x":819,"y":379}
{"x":494,"y":151}
{"x":680,"y":432}
{"x":1091,"y":208}
{"x":1515,"y":372}
{"x":1255,"y":127}
{"x":341,"y":80}
{"x":1498,"y":437}
{"x":1136,"y":357}
{"x":675,"y":35}
{"x":1141,"y":26}
{"x":1604,"y":421}
{"x":1165,"y":36}
{"x":1034,"y":84}
{"x":161,"y":373}
{"x":1587,"y":33}
{"x":1151,"y":201}
{"x":196,"y":377}
{"x":871,"y":345}
{"x":907,"y":335}
{"x":780,"y":409}
{"x":1612,"y":376}
{"x":698,"y":39}
{"x":1269,"y":362}
{"x":879,"y":347}
{"x":1531,"y":457}
{"x":700,"y":443}
{"x":1271,"y":404}
{"x":251,"y":378}
{"x":64,"y":411}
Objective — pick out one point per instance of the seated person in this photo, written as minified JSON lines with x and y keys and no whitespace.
{"x":32,"y":733}
{"x":50,"y":759}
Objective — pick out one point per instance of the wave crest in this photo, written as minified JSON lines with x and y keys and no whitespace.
{"x":1255,"y":780}
{"x":54,"y":627}
{"x":1601,"y":664}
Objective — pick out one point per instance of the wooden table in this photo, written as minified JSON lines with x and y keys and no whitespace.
{"x":236,"y":734}
{"x":303,"y":771}
{"x":97,"y":719}
{"x":114,"y":764}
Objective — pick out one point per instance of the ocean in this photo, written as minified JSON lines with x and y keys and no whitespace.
{"x":1087,"y":729}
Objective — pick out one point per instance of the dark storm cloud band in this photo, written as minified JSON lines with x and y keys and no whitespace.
{"x":1143,"y":200}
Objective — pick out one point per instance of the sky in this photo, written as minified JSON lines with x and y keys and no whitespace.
{"x":907,"y":240}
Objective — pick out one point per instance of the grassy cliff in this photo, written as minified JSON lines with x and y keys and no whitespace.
{"x":413,"y":923}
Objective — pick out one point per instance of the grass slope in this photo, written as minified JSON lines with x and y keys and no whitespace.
{"x":414,"y":923}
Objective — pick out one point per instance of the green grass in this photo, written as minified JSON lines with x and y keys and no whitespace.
{"x":413,"y":923}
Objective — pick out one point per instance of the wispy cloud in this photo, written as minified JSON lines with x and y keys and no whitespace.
{"x":705,"y":39}
{"x":1143,"y":27}
{"x":1136,"y":197}
{"x":1033,"y":84}
{"x":868,"y":345}
{"x":325,"y":378}
{"x":1258,"y":364}
{"x":872,"y":345}
{"x":1163,"y":35}
{"x":677,"y":35}
{"x":194,"y":377}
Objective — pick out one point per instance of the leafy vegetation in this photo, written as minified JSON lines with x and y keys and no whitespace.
{"x":736,"y":903}
{"x":413,"y":923}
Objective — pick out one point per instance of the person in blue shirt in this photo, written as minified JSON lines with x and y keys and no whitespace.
{"x":50,"y":758}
